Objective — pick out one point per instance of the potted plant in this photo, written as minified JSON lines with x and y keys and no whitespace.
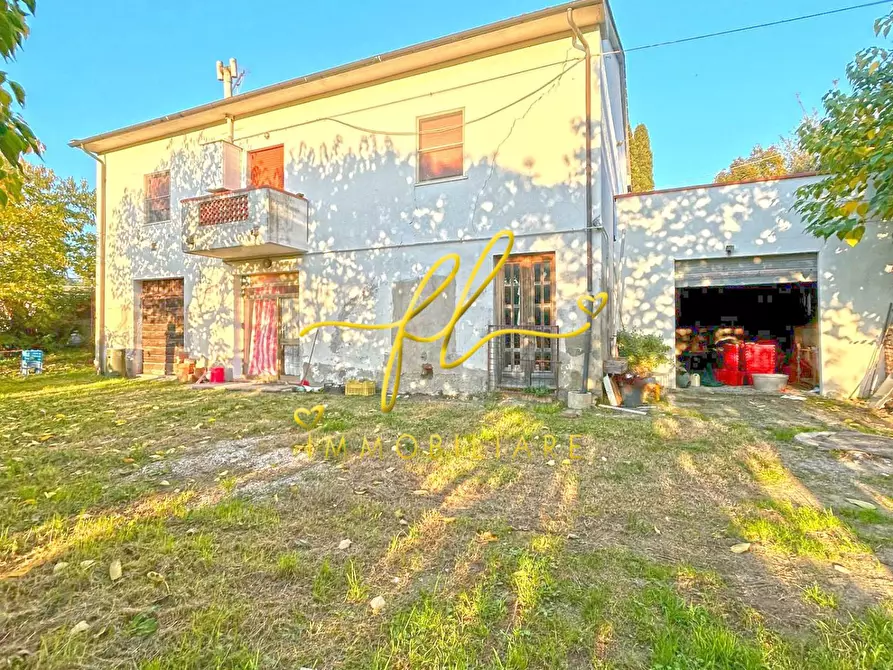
{"x":644,"y":353}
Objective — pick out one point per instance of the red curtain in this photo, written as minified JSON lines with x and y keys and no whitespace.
{"x":264,"y":338}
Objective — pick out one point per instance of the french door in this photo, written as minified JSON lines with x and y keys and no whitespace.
{"x":525,"y":300}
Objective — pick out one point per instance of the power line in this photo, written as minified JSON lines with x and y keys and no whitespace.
{"x":745,"y":29}
{"x":643,"y":47}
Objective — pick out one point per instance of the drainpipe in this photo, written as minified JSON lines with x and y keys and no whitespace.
{"x":99,"y":335}
{"x":580,"y":43}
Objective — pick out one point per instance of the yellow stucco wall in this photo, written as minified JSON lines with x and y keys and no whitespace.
{"x":354,"y":156}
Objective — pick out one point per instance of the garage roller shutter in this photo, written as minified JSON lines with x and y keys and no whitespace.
{"x":747,"y":271}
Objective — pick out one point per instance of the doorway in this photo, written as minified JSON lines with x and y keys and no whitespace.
{"x":525,"y":300}
{"x":272,"y":327}
{"x":161,"y":324}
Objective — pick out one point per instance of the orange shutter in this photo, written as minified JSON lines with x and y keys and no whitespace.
{"x":266,"y":167}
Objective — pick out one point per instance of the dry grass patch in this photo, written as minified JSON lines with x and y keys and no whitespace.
{"x":234,"y":548}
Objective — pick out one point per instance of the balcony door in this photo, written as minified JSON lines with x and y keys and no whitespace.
{"x":272,"y":324}
{"x":525,"y":299}
{"x":266,"y":167}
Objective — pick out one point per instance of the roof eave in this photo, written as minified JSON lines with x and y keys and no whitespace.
{"x":541,"y":25}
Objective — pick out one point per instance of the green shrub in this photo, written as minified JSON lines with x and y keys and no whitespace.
{"x":644,"y":353}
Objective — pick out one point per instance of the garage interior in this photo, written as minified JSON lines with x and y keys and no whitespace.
{"x":771,"y":302}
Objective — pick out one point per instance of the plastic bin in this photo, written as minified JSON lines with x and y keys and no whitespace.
{"x":118,"y":361}
{"x":731,"y":356}
{"x":32,"y":361}
{"x":218,"y":375}
{"x":760,"y":358}
{"x":729,"y":377}
{"x":362,"y":388}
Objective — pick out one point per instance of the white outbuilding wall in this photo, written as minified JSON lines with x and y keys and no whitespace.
{"x":855,"y":284}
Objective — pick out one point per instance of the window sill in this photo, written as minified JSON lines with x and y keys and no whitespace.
{"x":158,"y":223}
{"x":444,"y":180}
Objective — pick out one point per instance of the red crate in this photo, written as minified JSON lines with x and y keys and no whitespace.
{"x":760,"y":358}
{"x":729,"y":377}
{"x":731,"y":356}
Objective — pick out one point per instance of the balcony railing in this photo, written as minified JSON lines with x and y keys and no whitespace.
{"x":250,"y":223}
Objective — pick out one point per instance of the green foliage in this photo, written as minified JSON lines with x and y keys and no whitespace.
{"x":47,"y":262}
{"x":641,"y":160}
{"x":16,"y":138}
{"x":644,"y":353}
{"x":854,"y":144}
{"x":761,"y":164}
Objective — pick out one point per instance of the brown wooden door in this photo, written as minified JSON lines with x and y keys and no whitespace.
{"x":266,"y":167}
{"x":525,"y":300}
{"x":162,"y":324}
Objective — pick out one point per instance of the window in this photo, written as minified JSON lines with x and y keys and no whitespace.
{"x":158,"y":197}
{"x":441,"y":146}
{"x":266,"y":167}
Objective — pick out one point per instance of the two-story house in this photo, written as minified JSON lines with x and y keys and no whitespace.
{"x":226,"y":228}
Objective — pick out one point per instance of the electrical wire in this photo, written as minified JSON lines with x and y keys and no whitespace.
{"x":684,"y":40}
{"x":408,"y":99}
{"x":744,"y":29}
{"x":437,"y":131}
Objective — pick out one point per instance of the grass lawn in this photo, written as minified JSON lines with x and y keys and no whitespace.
{"x":147,"y":525}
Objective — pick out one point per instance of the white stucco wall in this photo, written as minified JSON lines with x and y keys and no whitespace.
{"x":371,"y":226}
{"x":855,"y":285}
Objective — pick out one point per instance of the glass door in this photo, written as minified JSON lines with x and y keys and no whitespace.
{"x":526,"y":302}
{"x":512,"y":346}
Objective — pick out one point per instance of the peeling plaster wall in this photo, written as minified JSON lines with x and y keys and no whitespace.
{"x":372,"y":227}
{"x":855,"y":285}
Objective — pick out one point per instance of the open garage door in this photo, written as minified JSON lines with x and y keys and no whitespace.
{"x":747,"y":270}
{"x":767,"y":300}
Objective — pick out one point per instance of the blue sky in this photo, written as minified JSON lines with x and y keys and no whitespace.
{"x":96,"y":65}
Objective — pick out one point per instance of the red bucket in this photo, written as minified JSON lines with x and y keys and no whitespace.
{"x":218,"y":375}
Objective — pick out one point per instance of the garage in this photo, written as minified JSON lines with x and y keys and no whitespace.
{"x":679,"y":247}
{"x":161,"y":324}
{"x":732,"y":311}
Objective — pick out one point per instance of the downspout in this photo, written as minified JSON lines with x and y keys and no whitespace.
{"x":579,"y":42}
{"x":99,"y":335}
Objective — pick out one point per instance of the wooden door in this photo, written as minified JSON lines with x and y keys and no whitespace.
{"x":266,"y":167}
{"x":162,"y":324}
{"x":526,"y":300}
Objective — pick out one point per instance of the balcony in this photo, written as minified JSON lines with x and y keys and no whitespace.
{"x":246,"y":224}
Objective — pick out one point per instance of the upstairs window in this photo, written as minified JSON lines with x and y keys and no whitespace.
{"x":441,"y":140}
{"x":266,"y":167}
{"x":158,"y":197}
